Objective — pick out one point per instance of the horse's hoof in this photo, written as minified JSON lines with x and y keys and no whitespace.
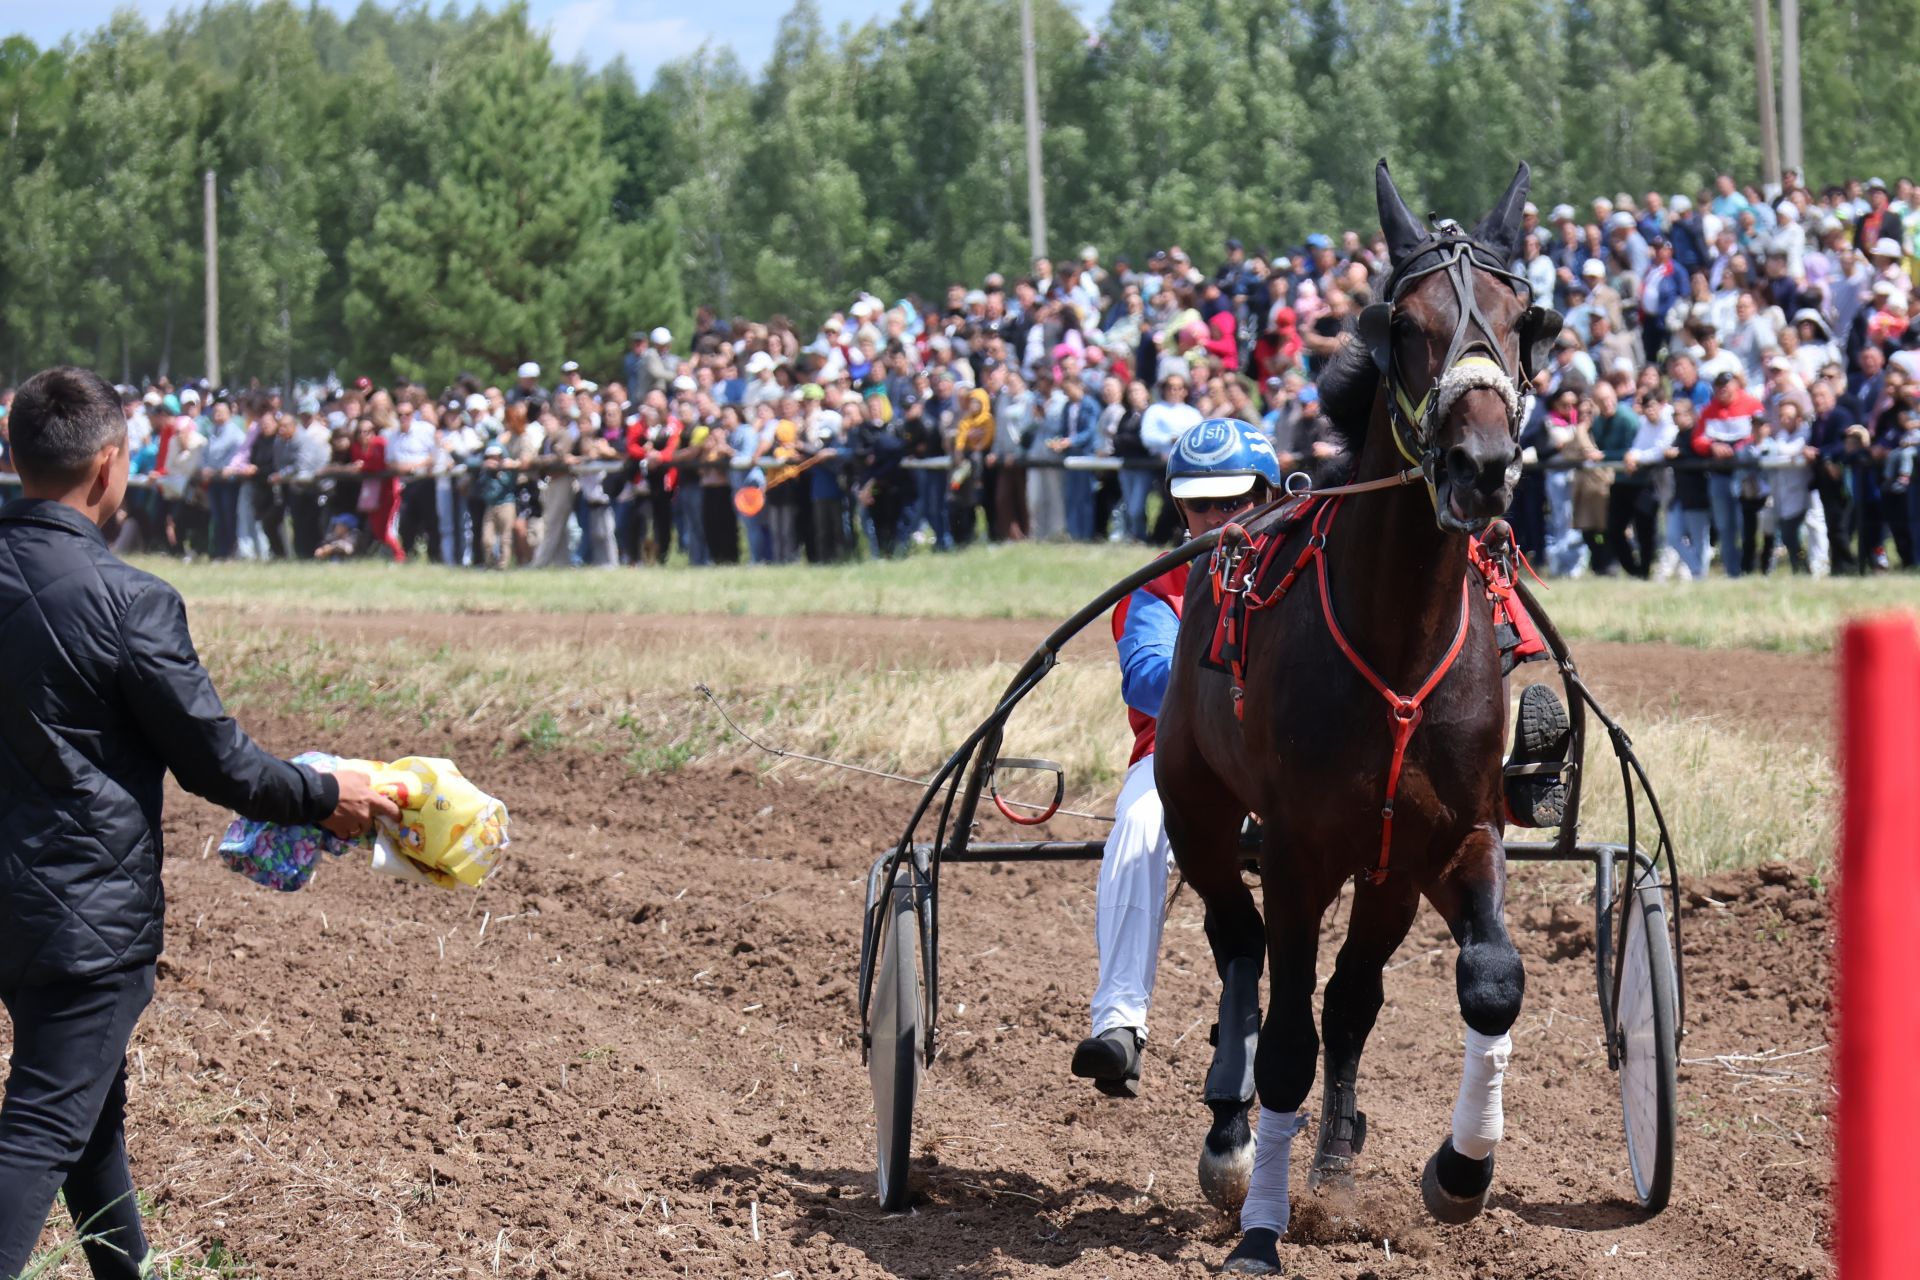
{"x":1257,"y":1254}
{"x":1224,"y":1176}
{"x":1330,"y":1171}
{"x":1455,"y":1188}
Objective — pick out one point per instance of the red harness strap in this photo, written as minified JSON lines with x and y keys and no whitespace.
{"x":1240,"y":564}
{"x":1498,"y":561}
{"x":1404,"y":713}
{"x":1235,"y":585}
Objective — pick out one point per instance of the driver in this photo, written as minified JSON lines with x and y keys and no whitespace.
{"x":1218,"y":471}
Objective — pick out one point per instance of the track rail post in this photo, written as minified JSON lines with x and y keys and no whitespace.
{"x":1879,"y":1140}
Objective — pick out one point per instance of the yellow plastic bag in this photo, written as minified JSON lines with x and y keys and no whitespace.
{"x":450,"y":832}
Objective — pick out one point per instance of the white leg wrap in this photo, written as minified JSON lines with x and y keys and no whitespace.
{"x":1131,"y":895}
{"x":1267,"y":1204}
{"x":1478,"y":1119}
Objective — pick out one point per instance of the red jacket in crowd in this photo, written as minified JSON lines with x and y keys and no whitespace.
{"x":1729,"y":424}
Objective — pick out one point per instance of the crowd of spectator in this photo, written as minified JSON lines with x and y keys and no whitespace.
{"x":1738,"y":383}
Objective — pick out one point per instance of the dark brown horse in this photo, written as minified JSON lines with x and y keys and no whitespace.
{"x":1384,"y":641}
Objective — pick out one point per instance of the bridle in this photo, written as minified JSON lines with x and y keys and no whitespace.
{"x":1474,"y":358}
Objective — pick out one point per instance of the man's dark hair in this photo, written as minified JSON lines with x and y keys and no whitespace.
{"x":61,"y":418}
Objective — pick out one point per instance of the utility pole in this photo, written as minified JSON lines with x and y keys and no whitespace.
{"x":213,"y":281}
{"x":1790,"y":87}
{"x":1763,"y":74}
{"x":1036,"y":194}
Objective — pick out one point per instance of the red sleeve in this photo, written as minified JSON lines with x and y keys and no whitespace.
{"x":374,"y":458}
{"x":637,"y":439}
{"x":1698,"y":441}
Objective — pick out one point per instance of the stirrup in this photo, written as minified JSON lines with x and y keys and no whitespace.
{"x":1536,"y":785}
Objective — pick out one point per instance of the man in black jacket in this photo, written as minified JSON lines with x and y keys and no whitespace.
{"x":102,"y":694}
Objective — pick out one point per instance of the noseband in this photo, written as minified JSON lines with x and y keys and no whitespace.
{"x":1474,"y":359}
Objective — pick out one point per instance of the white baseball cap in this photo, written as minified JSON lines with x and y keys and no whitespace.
{"x":476,"y":403}
{"x":189,"y":396}
{"x":661,"y":336}
{"x":1886,"y":247}
{"x":530,"y":370}
{"x":571,"y":366}
{"x":684,"y":383}
{"x":759,"y":362}
{"x":1594,"y":267}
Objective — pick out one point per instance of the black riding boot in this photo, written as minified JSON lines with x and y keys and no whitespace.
{"x":1112,"y":1061}
{"x":1536,"y":772}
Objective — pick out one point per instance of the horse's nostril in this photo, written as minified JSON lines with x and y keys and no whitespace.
{"x":1470,"y":470}
{"x":1462,"y":468}
{"x":1493,"y":473}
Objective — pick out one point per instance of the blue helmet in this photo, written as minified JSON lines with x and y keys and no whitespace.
{"x":1221,"y":458}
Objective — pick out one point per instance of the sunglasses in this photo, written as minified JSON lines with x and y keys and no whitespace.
{"x":1209,"y":506}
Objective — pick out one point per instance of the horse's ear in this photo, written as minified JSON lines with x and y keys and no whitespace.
{"x":1538,"y":327}
{"x":1397,"y":222}
{"x":1501,"y":227}
{"x":1375,"y":328}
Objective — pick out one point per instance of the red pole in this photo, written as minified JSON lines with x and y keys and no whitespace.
{"x":1879,"y":962}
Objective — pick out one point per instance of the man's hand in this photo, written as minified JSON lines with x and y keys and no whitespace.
{"x":359,"y":805}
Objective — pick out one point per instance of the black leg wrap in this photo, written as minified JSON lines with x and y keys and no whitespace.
{"x":1230,"y":1078}
{"x":1343,"y":1132}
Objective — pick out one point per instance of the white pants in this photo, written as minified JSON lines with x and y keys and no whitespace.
{"x":1047,"y":514}
{"x":556,"y":507}
{"x":1131,"y":899}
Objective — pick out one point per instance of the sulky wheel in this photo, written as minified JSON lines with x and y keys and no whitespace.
{"x":893,"y":1063}
{"x":1649,"y":1049}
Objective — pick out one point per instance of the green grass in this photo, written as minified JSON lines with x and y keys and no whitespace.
{"x":1734,"y":793}
{"x":982,"y":582}
{"x":1795,"y":615}
{"x":1021,"y":581}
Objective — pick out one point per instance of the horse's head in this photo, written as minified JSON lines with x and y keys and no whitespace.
{"x":1457,"y":341}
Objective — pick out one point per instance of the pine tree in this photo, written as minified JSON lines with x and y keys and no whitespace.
{"x":504,"y":250}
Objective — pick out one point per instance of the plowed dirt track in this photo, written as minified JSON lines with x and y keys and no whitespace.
{"x":634,"y":1052}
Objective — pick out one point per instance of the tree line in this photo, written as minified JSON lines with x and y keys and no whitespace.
{"x":406,"y":192}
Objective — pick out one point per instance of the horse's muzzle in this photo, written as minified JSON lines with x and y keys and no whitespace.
{"x":1475,"y":484}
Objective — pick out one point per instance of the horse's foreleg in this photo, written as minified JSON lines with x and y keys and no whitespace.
{"x":1490,"y":981}
{"x":1203,"y":821}
{"x":1283,"y":1071}
{"x":1377,"y":925}
{"x":1238,"y":941}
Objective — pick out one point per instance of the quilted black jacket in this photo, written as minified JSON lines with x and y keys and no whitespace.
{"x":100,"y":694}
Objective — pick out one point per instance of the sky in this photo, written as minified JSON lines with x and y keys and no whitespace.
{"x":648,"y":32}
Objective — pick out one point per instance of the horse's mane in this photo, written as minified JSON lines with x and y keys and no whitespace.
{"x":1347,"y":388}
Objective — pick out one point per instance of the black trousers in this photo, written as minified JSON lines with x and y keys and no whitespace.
{"x":1631,"y":506}
{"x":418,"y":518}
{"x":307,"y":530}
{"x":61,"y":1122}
{"x":1833,"y":499}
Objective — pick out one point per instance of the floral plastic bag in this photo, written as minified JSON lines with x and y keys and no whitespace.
{"x":449,"y":833}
